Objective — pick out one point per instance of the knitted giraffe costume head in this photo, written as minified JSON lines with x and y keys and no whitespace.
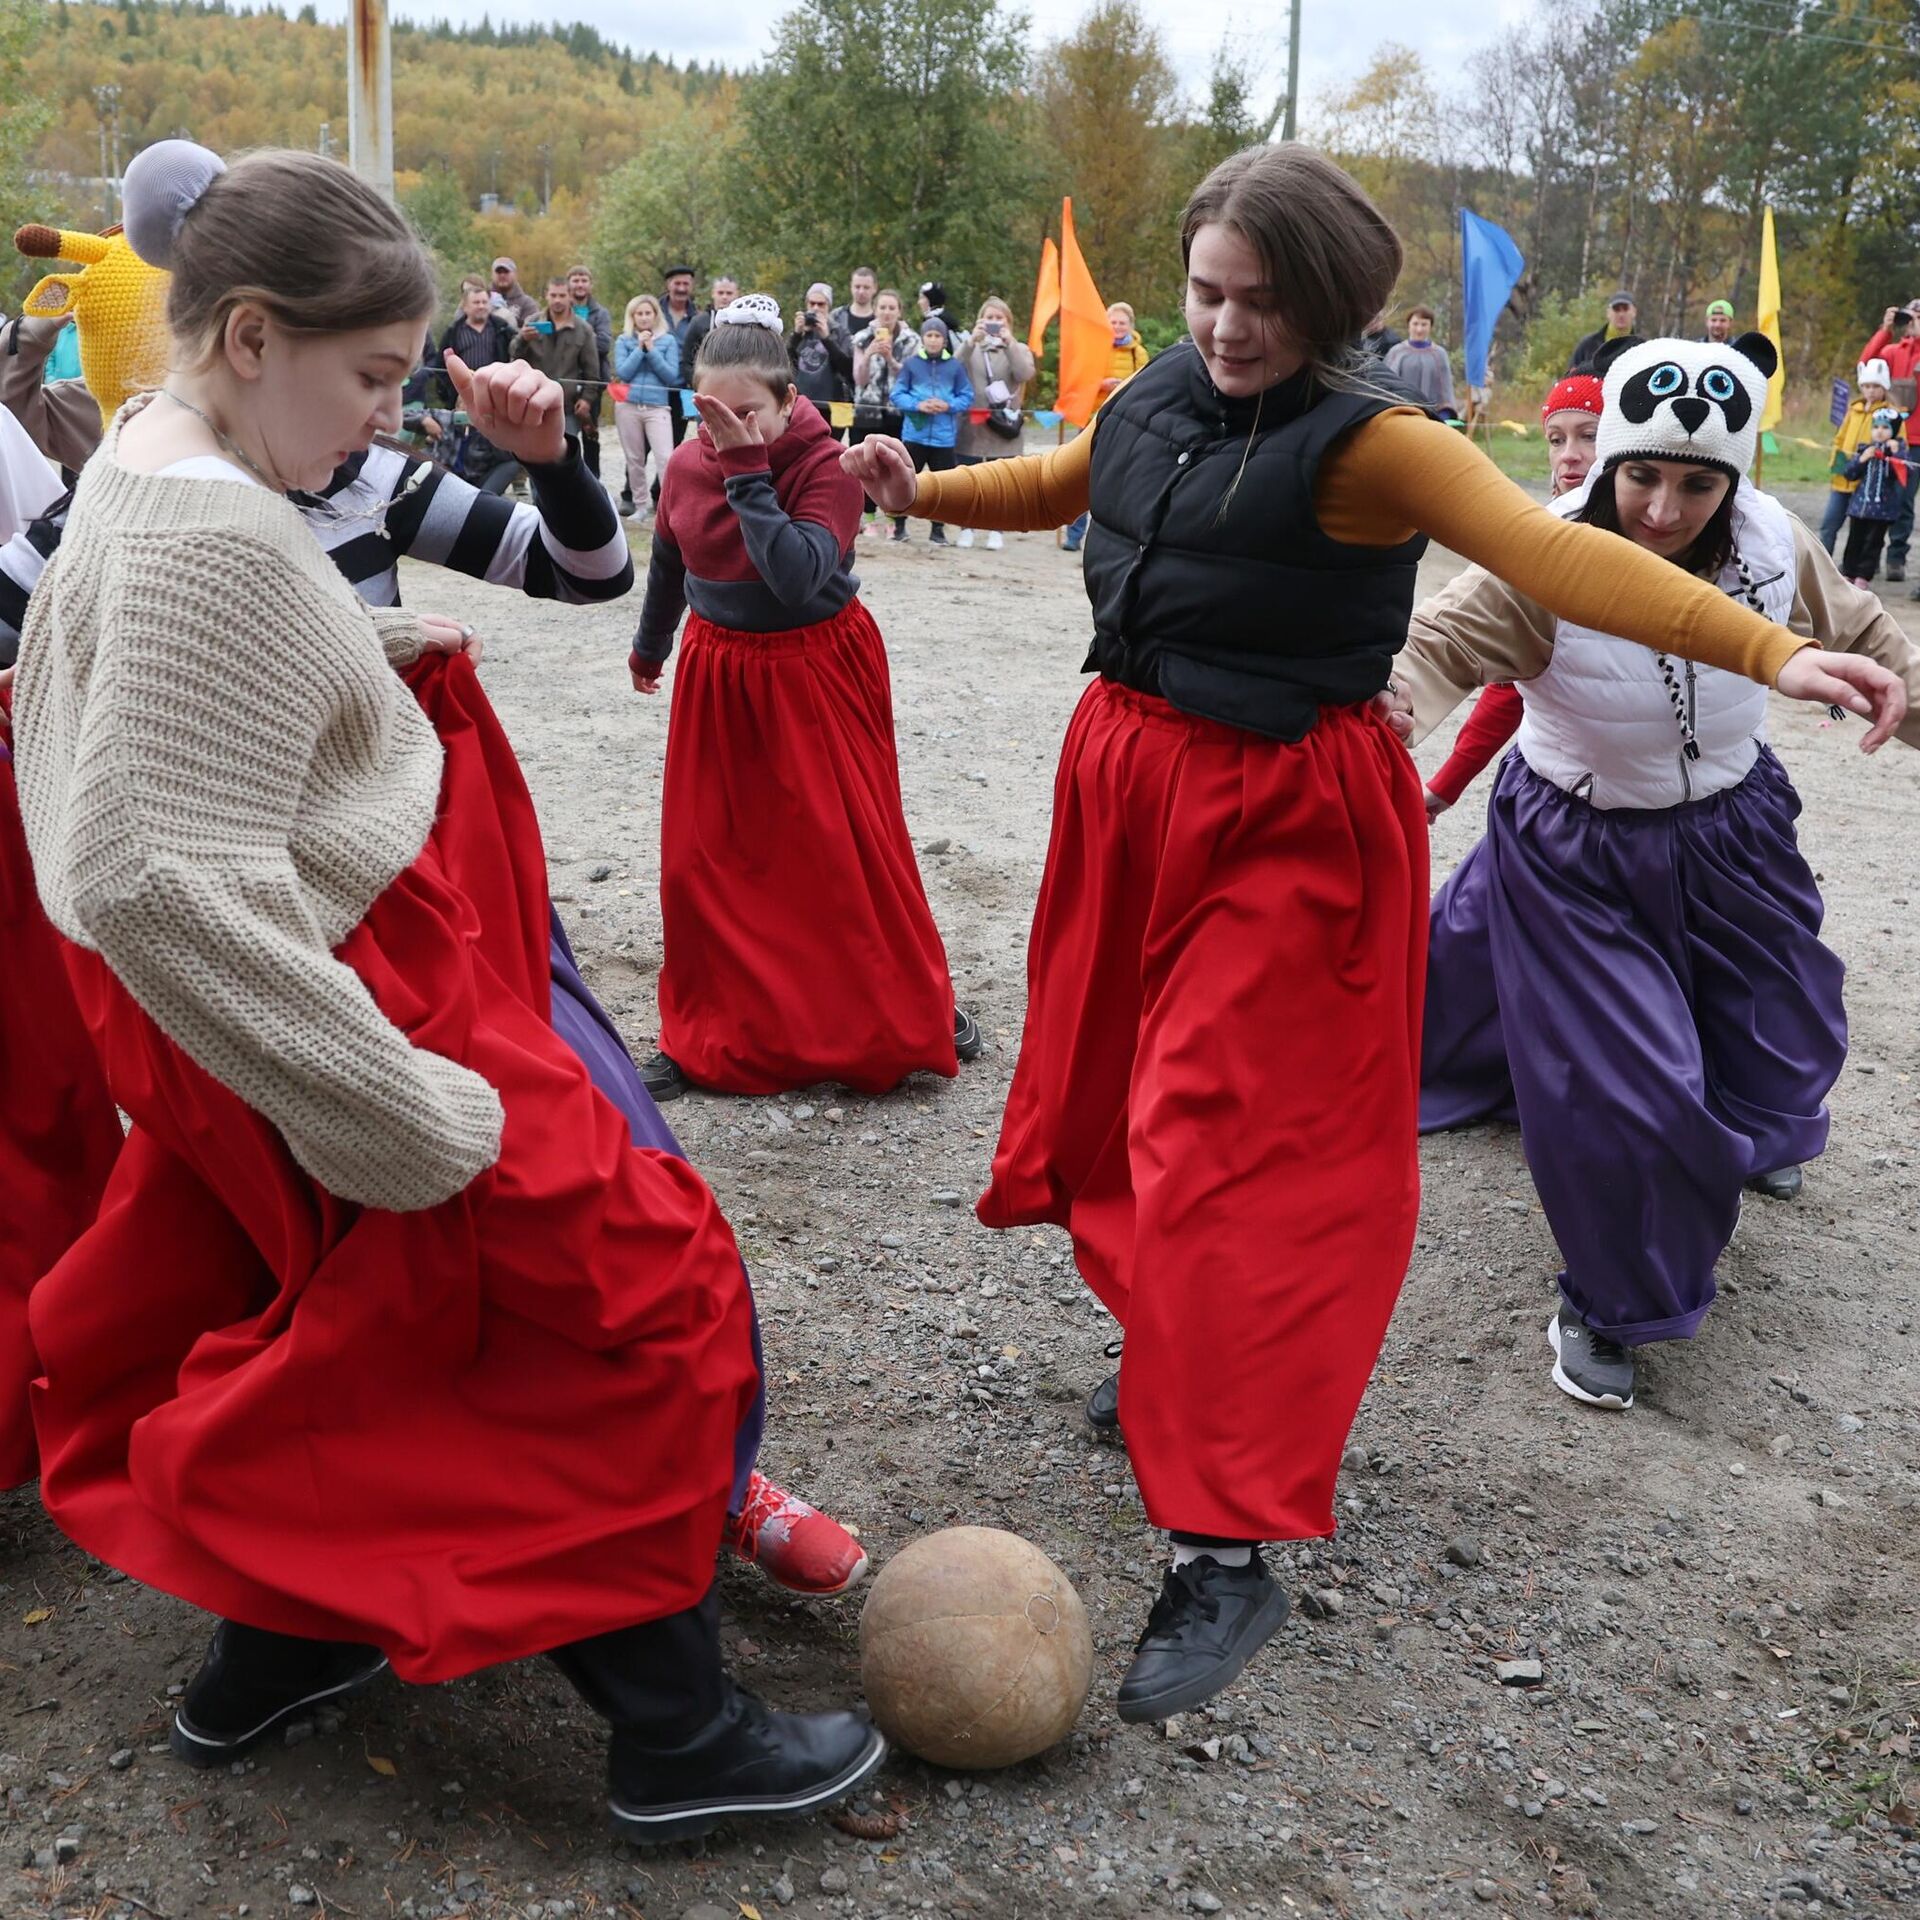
{"x":118,"y":302}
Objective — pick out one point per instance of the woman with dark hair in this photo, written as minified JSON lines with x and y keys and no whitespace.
{"x":1219,"y":1078}
{"x":1629,"y":963}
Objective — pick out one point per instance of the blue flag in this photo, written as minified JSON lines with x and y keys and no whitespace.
{"x":1489,"y":264}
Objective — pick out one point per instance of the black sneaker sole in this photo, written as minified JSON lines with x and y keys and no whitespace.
{"x":689,"y":1819}
{"x":1774,"y":1188}
{"x":199,"y":1749}
{"x":1148,"y":1709}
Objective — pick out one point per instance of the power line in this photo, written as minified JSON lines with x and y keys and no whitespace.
{"x":1783,"y":31}
{"x":1796,"y":34}
{"x":1822,"y":39}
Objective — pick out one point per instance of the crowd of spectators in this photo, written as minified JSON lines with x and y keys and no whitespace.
{"x":953,"y":392}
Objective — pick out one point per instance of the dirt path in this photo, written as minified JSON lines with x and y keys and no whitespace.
{"x":1720,"y":1587}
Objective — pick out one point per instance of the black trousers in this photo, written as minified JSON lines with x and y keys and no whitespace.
{"x":1861,"y":558}
{"x":929,"y":460}
{"x":660,"y":1682}
{"x":890,"y":424}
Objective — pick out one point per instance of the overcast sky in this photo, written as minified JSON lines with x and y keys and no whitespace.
{"x":1332,"y":45}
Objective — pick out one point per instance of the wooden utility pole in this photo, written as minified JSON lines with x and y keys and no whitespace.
{"x":370,"y":92}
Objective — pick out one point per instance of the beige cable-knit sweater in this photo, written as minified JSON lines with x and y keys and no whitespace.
{"x":220,"y":771}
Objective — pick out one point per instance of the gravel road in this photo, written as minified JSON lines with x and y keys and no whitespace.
{"x":1717,"y":1592}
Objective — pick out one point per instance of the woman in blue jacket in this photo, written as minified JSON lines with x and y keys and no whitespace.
{"x":647,"y":357}
{"x":932,"y":393}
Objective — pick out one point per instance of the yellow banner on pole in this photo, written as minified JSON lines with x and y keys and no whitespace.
{"x":1770,"y":324}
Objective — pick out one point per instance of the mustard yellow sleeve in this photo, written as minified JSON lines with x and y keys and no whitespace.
{"x":1401,"y":473}
{"x":1027,"y":494}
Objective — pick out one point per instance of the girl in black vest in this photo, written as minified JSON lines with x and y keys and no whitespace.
{"x":1219,"y":1077}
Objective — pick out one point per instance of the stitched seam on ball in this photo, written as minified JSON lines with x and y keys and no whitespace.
{"x":966,"y":1732}
{"x":935,"y":1619}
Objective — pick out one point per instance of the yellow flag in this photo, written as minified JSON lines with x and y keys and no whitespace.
{"x":840,"y":413}
{"x":1770,"y":323}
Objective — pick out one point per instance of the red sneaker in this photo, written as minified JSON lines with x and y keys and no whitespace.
{"x":796,"y":1545}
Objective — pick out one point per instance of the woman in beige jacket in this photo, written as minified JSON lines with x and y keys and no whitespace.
{"x":998,"y":365}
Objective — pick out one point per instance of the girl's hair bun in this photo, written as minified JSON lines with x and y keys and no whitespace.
{"x":163,"y":185}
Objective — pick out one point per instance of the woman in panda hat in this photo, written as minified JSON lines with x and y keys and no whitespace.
{"x":1629,"y":963}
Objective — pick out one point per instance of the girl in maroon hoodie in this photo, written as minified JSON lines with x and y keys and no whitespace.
{"x":799,"y":944}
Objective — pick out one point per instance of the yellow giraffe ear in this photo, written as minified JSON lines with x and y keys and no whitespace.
{"x":52,"y":299}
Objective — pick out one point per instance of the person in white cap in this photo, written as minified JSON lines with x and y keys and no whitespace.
{"x":1871,"y":385}
{"x":510,"y":297}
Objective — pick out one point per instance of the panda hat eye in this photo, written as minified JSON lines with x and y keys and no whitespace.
{"x":1666,"y":380}
{"x":1718,"y":384}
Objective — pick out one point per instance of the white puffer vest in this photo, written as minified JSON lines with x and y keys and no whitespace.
{"x":1600,"y":722}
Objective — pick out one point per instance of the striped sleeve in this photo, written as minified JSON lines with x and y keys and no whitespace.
{"x":22,"y":561}
{"x":569,"y":545}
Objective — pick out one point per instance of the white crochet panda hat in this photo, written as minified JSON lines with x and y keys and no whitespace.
{"x":1694,"y":400}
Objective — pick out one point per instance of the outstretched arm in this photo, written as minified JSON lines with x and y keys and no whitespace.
{"x":1028,"y":494}
{"x":1400,"y":473}
{"x":1493,"y":722}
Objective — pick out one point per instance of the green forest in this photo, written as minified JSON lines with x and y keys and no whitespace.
{"x":1621,"y":142}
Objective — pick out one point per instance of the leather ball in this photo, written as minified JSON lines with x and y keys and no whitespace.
{"x":974,"y":1649}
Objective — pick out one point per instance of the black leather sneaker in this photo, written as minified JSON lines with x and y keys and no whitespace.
{"x":1103,"y":1403}
{"x":967,"y":1043}
{"x":662,"y":1077}
{"x":252,"y":1682}
{"x":1782,"y":1183}
{"x":1588,"y":1365}
{"x":1208,"y":1622}
{"x":750,"y":1761}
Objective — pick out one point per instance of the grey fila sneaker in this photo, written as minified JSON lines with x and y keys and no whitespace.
{"x":1588,"y":1365}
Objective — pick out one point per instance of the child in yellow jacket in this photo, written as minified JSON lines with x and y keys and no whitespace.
{"x":1871,"y":385}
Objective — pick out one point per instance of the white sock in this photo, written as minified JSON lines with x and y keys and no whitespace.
{"x":1184,"y":1556}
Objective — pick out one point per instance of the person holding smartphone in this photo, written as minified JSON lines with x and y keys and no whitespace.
{"x":562,"y":346}
{"x":998,"y":367}
{"x":879,"y":351}
{"x":1898,"y":344}
{"x":821,"y":354}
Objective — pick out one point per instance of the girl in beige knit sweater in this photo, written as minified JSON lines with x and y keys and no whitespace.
{"x":427,"y":1365}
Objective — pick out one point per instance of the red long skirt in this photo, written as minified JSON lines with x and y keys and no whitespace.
{"x":59,"y":1132}
{"x":465,"y":1434}
{"x":799,"y":943}
{"x":1218,"y":1086}
{"x":60,"y":1135}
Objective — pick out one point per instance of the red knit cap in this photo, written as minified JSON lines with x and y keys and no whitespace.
{"x":1577,"y":393}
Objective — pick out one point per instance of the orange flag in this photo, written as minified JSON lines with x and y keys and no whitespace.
{"x":1046,"y":299}
{"x":1086,"y":341}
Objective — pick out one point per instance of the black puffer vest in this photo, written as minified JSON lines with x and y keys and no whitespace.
{"x":1254,"y":617}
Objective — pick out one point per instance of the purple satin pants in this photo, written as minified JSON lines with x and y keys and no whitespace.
{"x":1647,"y":994}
